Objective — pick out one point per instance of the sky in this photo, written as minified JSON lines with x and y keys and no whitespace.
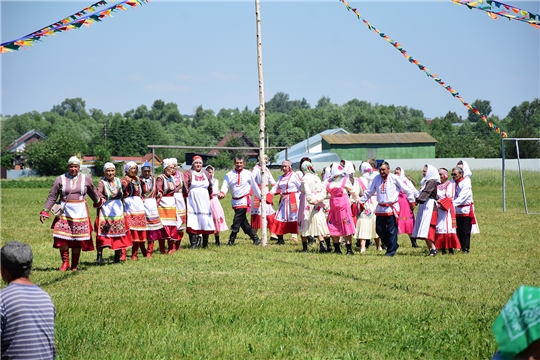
{"x":204,"y":53}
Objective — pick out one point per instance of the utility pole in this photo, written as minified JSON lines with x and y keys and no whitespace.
{"x":264,"y":178}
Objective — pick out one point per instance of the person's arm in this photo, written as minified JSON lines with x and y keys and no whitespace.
{"x":186,"y":183}
{"x":56,"y":190}
{"x":125,"y":187}
{"x":369,"y":191}
{"x":210,"y":185}
{"x":428,"y":189}
{"x":224,"y":187}
{"x":351,"y":190}
{"x":92,"y":192}
{"x":410,"y":192}
{"x":254,"y":187}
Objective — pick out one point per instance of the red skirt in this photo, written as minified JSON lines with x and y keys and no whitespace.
{"x":172,"y":232}
{"x":84,"y":245}
{"x":282,"y":228}
{"x":447,"y":241}
{"x":256,"y":221}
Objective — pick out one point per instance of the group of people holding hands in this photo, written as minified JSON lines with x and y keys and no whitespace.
{"x":138,"y":210}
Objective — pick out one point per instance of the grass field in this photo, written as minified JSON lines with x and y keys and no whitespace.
{"x":275,"y":302}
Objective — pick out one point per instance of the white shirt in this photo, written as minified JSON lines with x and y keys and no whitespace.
{"x":240,"y":185}
{"x":463,"y":197}
{"x":387,"y":193}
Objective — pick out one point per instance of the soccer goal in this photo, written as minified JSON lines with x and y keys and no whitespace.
{"x":516,"y":142}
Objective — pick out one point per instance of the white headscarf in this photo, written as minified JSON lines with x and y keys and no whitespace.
{"x":108,"y":165}
{"x":326,"y":174}
{"x":348,"y":168}
{"x":366,"y":170}
{"x":128,"y":166}
{"x":401,"y":174}
{"x":431,"y":174}
{"x":466,"y":169}
{"x":166,"y":163}
{"x":74,"y":160}
{"x":337,"y":170}
{"x":174,"y":161}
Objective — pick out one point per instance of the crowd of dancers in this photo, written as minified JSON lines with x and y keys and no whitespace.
{"x":335,"y":209}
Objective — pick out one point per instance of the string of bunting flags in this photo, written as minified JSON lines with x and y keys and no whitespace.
{"x":86,"y":17}
{"x":494,"y":9}
{"x":426,"y":70}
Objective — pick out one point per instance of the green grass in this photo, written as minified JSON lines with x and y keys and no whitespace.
{"x":253,"y":302}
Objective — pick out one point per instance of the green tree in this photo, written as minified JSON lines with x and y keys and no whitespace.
{"x":102,"y":156}
{"x":484,"y":106}
{"x":49,"y":157}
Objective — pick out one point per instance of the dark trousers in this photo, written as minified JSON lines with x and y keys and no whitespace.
{"x":464,"y":225}
{"x":386,"y":227}
{"x":240,"y":221}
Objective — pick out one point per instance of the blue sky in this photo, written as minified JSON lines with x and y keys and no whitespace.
{"x":204,"y":53}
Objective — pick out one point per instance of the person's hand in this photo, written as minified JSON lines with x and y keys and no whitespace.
{"x":221,"y":195}
{"x":413,"y":205}
{"x":361,"y":207}
{"x":43,"y":215}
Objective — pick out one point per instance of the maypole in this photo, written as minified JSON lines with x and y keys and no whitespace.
{"x":264,"y":182}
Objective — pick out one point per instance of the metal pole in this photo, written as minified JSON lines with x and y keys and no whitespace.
{"x":503,"y":178}
{"x":153,"y":156}
{"x":264,"y":181}
{"x":521,"y":178}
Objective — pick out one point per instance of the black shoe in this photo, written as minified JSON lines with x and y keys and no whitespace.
{"x":432,"y":252}
{"x":443,"y":251}
{"x":328,"y":245}
{"x":256,"y":240}
{"x":322,"y":247}
{"x":414,"y":244}
{"x":273,"y":238}
{"x":305,"y":247}
{"x":280,"y":240}
{"x":117,"y":256}
{"x":451,"y":251}
{"x":205,"y":240}
{"x":368,"y":243}
{"x":193,"y":240}
{"x":311,"y":240}
{"x":359,"y":244}
{"x":465,"y":251}
{"x":337,"y":248}
{"x":349,"y":249}
{"x":217,"y":241}
{"x":100,"y":261}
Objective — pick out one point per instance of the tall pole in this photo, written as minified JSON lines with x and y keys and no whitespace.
{"x":264,"y":181}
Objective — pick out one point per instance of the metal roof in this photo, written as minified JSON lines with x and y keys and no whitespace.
{"x":388,"y":138}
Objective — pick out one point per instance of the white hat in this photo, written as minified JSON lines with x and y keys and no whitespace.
{"x":74,"y":160}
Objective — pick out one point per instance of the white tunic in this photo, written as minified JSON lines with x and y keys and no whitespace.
{"x":287,"y":185}
{"x":256,"y":174}
{"x":199,"y":215}
{"x":387,"y":194}
{"x":365,"y":224}
{"x":312,"y":219}
{"x":240,"y":184}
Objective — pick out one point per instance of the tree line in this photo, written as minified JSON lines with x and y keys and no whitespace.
{"x":72,"y":129}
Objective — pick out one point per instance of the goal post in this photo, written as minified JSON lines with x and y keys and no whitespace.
{"x":516,"y":142}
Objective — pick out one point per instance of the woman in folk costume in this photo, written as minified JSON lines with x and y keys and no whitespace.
{"x":340,"y":221}
{"x":111,"y":227}
{"x":288,"y":187}
{"x":72,"y":229}
{"x":197,"y":191}
{"x":406,"y":216}
{"x":445,"y":235}
{"x":167,"y":188}
{"x":154,"y":227}
{"x":180,"y":201}
{"x":365,"y":223}
{"x":467,"y":173}
{"x":426,"y":217}
{"x":134,"y":208}
{"x":256,"y":220}
{"x":215,"y":206}
{"x":311,"y":217}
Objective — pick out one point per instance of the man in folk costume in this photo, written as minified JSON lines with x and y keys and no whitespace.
{"x":241,"y":183}
{"x":134,"y":208}
{"x":72,"y":228}
{"x":154,"y":227}
{"x":256,"y":220}
{"x":463,"y":203}
{"x":167,"y":188}
{"x":288,"y":187}
{"x":197,"y":191}
{"x":387,"y":187}
{"x":426,"y":218}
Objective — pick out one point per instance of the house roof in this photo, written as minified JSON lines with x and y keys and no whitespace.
{"x":388,"y":138}
{"x":26,"y":138}
{"x":247,"y":142}
{"x":300,"y":149}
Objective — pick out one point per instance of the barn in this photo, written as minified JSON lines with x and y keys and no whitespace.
{"x":412,"y":145}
